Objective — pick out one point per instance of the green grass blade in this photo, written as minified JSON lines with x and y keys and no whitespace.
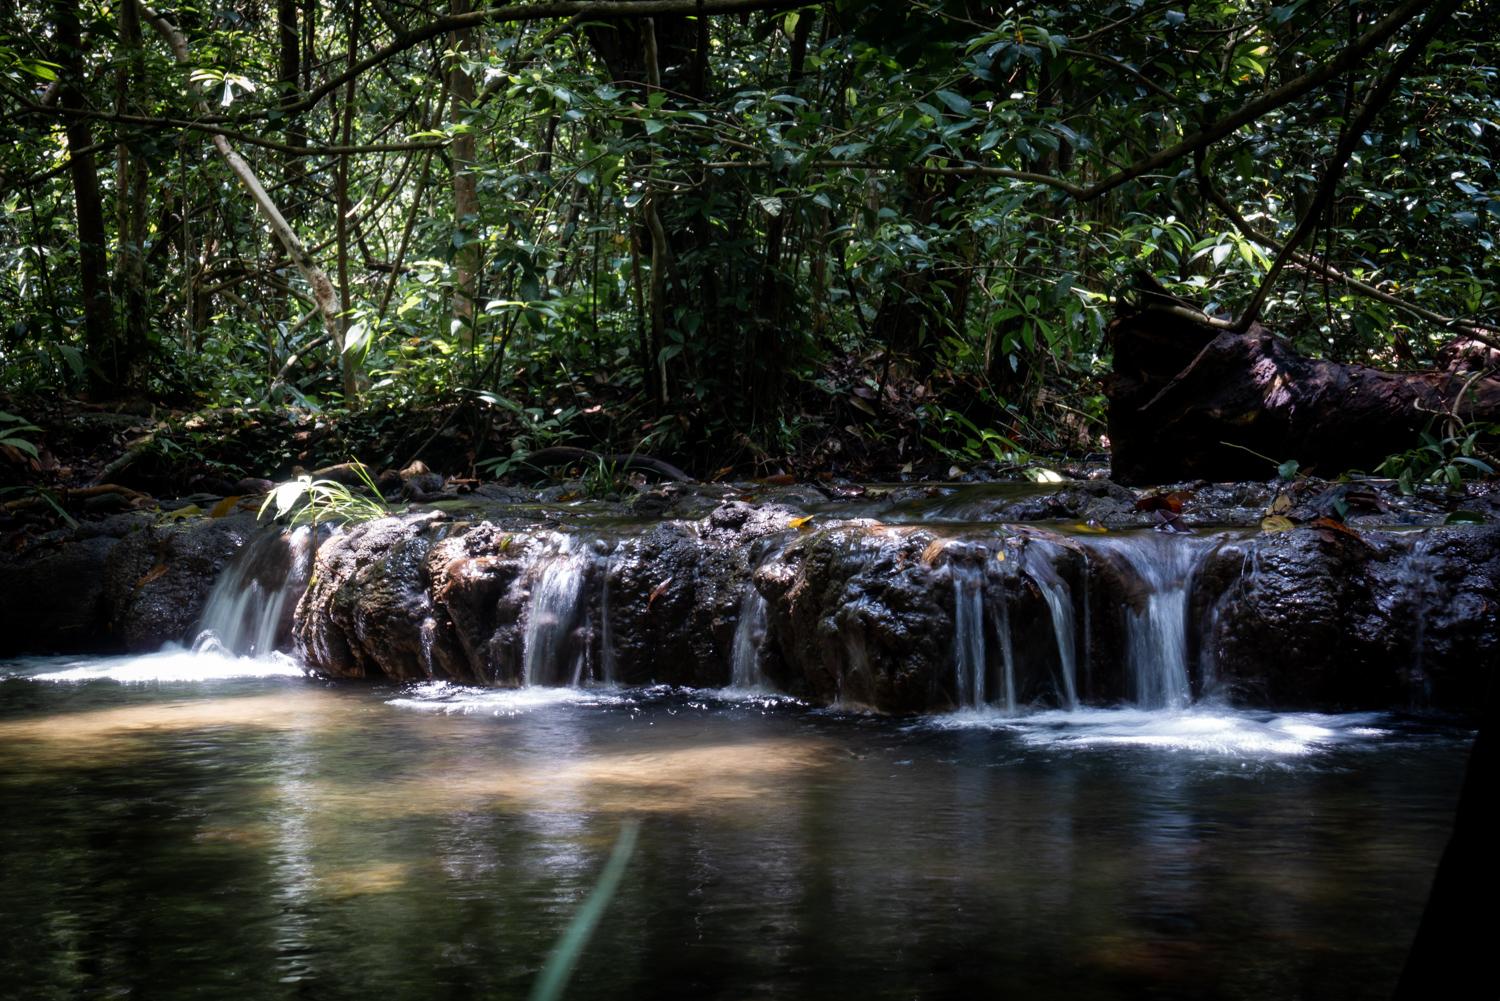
{"x":554,"y":976}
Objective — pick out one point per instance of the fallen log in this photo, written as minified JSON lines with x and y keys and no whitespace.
{"x":1190,"y":400}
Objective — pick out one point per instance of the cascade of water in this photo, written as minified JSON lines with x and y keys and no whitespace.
{"x":1156,"y":635}
{"x":249,"y":609}
{"x":607,"y":663}
{"x":551,"y":612}
{"x":1086,"y":662}
{"x":968,"y":634}
{"x":1001,"y":618}
{"x":1417,"y":579}
{"x":1040,"y":557}
{"x":744,"y":658}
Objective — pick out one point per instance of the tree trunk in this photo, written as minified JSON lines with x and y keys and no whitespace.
{"x":465,"y":188}
{"x":132,"y":179}
{"x":324,"y":294}
{"x":1186,"y":401}
{"x":349,"y":365}
{"x":100,"y":337}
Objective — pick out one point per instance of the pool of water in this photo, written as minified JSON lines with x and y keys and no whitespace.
{"x":194,"y":826}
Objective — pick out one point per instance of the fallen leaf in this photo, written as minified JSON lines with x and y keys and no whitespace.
{"x":933,"y":551}
{"x":1164,"y":502}
{"x":224,"y":506}
{"x":183,"y":513}
{"x":802,"y":522}
{"x":1276,"y":523}
{"x":150,"y":575}
{"x":1281,"y":504}
{"x":779,"y":480}
{"x":999,"y":556}
{"x":1329,"y":525}
{"x":657,"y":592}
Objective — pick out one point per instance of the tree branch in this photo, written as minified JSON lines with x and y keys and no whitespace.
{"x":1375,"y":99}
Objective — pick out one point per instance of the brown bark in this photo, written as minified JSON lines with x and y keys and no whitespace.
{"x":349,"y":361}
{"x":465,"y":187}
{"x":101,"y":348}
{"x":1187,"y":400}
{"x":132,"y":179}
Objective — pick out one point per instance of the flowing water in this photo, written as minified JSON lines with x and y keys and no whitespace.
{"x":200,"y":826}
{"x":1157,"y":631}
{"x":250,"y":607}
{"x":1059,"y":597}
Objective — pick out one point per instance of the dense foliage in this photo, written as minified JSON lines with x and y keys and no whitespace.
{"x":731,"y":230}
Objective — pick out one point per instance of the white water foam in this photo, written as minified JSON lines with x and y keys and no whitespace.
{"x":172,"y":665}
{"x":1206,"y":730}
{"x":447,"y":698}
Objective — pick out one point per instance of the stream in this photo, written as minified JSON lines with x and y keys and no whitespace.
{"x":197,"y":825}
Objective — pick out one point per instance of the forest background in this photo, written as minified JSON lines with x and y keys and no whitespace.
{"x":752,"y":237}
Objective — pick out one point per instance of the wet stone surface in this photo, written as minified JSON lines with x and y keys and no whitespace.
{"x":901,"y":599}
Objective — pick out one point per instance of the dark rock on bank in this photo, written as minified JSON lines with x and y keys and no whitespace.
{"x":128,"y":583}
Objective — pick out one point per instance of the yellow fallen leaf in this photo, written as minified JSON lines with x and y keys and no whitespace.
{"x":802,"y":522}
{"x":224,"y":506}
{"x":1000,"y":556}
{"x":1276,"y":523}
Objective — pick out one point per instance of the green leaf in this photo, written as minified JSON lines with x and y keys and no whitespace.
{"x":957,"y":103}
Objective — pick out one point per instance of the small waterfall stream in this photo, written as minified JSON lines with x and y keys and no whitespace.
{"x":249,"y":610}
{"x":968,"y":635}
{"x":1416,"y":575}
{"x":1041,"y":565}
{"x":1156,"y":634}
{"x":551,"y":613}
{"x":1000,"y":615}
{"x":749,"y":632}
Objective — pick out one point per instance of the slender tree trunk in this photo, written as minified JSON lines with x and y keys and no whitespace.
{"x":324,"y":294}
{"x":465,"y":188}
{"x":288,"y":75}
{"x":132,"y":180}
{"x":348,"y":360}
{"x":101,"y":347}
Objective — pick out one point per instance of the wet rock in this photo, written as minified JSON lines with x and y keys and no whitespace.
{"x":368,"y":611}
{"x":157,"y":580}
{"x":54,"y":598}
{"x":1320,"y":618}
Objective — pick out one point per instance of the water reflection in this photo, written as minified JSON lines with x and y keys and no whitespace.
{"x":271,"y":837}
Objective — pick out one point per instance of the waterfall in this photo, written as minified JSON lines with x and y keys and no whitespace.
{"x":550,"y":614}
{"x":749,"y":631}
{"x":1156,"y":634}
{"x":249,"y":610}
{"x":1059,"y":598}
{"x":607,"y":664}
{"x":1001,"y":617}
{"x":1417,"y":580}
{"x":968,"y":634}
